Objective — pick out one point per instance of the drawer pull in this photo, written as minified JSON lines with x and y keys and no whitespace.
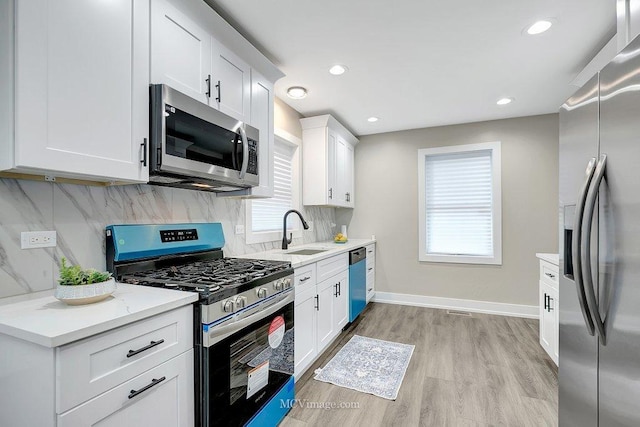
{"x":154,"y":382}
{"x":145,"y":348}
{"x":553,"y":276}
{"x":370,"y":268}
{"x":304,"y":279}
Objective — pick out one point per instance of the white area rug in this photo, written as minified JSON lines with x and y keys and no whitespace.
{"x":368,"y":365}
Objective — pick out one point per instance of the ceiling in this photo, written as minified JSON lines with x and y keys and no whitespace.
{"x":421,"y":63}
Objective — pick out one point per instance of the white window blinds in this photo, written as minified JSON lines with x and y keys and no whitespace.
{"x":267,"y":213}
{"x":459,"y":203}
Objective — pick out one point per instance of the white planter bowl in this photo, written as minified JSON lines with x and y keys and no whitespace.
{"x":85,"y":294}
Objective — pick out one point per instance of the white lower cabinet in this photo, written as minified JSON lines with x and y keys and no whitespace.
{"x":160,"y":397}
{"x":140,"y":374}
{"x":549,"y":309}
{"x":321,"y":308}
{"x":371,"y":271}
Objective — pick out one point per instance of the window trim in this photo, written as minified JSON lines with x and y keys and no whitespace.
{"x":496,"y":165}
{"x":251,"y":238}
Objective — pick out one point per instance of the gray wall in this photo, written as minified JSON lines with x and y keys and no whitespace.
{"x":387,"y":206}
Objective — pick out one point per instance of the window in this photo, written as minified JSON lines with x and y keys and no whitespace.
{"x":460,"y":204}
{"x":264,"y":216}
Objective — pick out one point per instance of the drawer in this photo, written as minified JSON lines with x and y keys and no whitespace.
{"x":371,"y":285}
{"x":331,"y":266}
{"x":371,"y":250}
{"x":89,"y":367}
{"x":305,"y":278}
{"x":168,"y":403}
{"x":549,"y":273}
{"x":371,"y":255}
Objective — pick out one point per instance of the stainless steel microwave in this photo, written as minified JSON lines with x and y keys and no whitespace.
{"x":197,"y":147}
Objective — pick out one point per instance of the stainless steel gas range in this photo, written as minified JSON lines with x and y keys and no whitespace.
{"x":243,"y":322}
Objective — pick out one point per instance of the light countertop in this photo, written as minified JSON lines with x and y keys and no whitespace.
{"x":300,"y":260}
{"x":552,"y":258}
{"x":42,"y":319}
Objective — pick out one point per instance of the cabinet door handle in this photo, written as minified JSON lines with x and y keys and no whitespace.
{"x":218,"y":86}
{"x":546,"y":304}
{"x":335,"y":288}
{"x":208,"y":80}
{"x":304,"y":279}
{"x":144,"y":152}
{"x":340,"y":288}
{"x":154,"y":382}
{"x":552,"y":276}
{"x":550,"y":307}
{"x":317,"y":306}
{"x":145,"y":348}
{"x":331,"y":193}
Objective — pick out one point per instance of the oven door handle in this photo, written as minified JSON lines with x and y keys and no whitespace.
{"x":218,"y":333}
{"x":245,"y":152}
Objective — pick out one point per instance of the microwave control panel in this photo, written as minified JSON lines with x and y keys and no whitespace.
{"x":252,"y":167}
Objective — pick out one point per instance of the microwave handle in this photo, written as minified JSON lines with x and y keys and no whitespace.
{"x":245,"y":152}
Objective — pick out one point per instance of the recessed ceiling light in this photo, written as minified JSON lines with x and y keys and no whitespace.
{"x":504,"y":101}
{"x":296,"y":92}
{"x":338,"y":69}
{"x":539,"y":27}
{"x":372,"y":119}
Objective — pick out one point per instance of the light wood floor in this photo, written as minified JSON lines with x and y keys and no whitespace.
{"x":465,"y":371}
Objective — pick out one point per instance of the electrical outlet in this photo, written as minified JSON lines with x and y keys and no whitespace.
{"x":38,"y":239}
{"x":239,"y":229}
{"x":310,"y":223}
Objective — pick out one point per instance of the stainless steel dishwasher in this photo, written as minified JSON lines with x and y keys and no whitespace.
{"x":357,"y":282}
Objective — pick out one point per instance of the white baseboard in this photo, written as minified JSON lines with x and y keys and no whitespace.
{"x":498,"y":308}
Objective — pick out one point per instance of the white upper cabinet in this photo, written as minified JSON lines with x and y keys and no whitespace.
{"x":231,"y":83}
{"x":328,"y":162}
{"x":262,"y":101}
{"x":80,"y":81}
{"x":180,"y":52}
{"x":189,"y":59}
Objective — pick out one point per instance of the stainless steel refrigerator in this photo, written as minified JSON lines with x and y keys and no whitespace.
{"x":599,"y":368}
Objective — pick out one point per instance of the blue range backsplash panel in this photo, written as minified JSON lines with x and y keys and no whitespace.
{"x":133,"y":242}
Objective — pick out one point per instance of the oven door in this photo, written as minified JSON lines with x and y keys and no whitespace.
{"x":192,"y":139}
{"x":247,"y":360}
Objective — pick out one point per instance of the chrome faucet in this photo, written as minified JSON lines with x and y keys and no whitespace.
{"x":285,"y":241}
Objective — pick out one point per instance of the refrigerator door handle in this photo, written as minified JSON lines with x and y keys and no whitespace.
{"x":585,"y":249}
{"x":576,"y":244}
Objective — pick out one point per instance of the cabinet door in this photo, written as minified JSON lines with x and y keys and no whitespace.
{"x":305,"y":330}
{"x":546,"y":318}
{"x":82,"y":95}
{"x":342,"y":187}
{"x":180,"y":52}
{"x":262,"y":119}
{"x":231,"y":83}
{"x":341,"y":301}
{"x":325,"y":322}
{"x":349,"y":175}
{"x":167,"y":403}
{"x":333,"y":197}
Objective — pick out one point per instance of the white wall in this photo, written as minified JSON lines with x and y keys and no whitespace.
{"x":387,"y":206}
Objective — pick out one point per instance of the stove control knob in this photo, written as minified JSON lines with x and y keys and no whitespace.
{"x":241,"y":302}
{"x":228,"y":306}
{"x":278,"y":285}
{"x":261,"y":292}
{"x":286,"y":283}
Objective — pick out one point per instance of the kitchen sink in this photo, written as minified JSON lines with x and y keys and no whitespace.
{"x":306,"y":252}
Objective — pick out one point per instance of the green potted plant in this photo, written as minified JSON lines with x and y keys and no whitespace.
{"x":77,"y":286}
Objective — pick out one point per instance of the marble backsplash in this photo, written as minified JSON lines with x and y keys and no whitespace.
{"x":79,"y":214}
